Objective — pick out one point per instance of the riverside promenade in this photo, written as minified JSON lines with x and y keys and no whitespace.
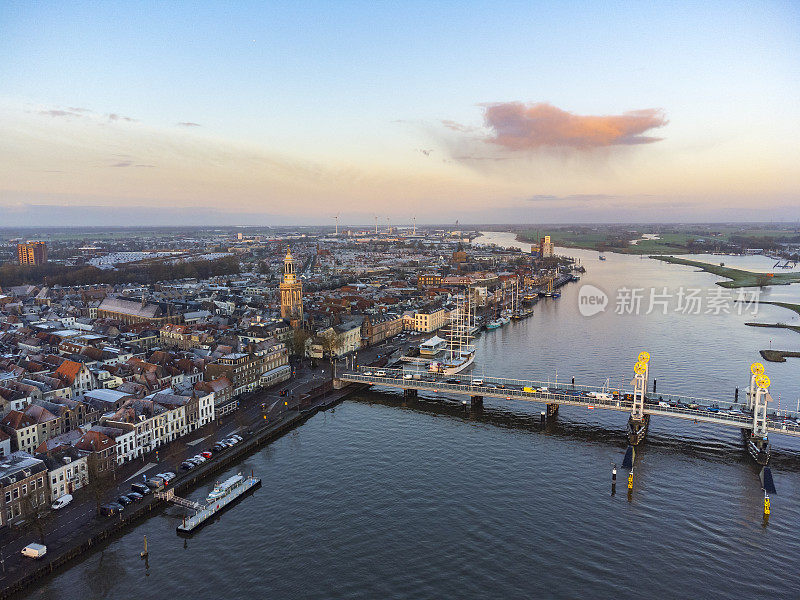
{"x":18,"y":573}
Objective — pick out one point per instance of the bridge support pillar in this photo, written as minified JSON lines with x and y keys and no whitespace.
{"x":409,"y":393}
{"x":552,"y":410}
{"x":639,"y":421}
{"x":637,"y":429}
{"x":476,"y":401}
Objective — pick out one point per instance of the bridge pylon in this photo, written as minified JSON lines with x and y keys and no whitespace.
{"x":756,"y":440}
{"x":638,"y":421}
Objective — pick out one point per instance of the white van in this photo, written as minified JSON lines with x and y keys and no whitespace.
{"x":62,"y":502}
{"x":34,"y":551}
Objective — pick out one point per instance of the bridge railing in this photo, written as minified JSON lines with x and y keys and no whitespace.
{"x":621,"y":391}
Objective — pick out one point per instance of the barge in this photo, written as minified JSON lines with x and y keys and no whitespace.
{"x":223,"y":495}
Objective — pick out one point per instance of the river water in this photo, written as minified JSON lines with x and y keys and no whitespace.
{"x":380,"y":498}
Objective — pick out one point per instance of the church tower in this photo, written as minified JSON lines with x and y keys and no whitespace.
{"x":291,"y":293}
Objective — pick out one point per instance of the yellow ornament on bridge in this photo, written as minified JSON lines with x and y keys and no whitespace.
{"x":757,"y":368}
{"x":762,"y":381}
{"x":644,"y":357}
{"x":640,"y":368}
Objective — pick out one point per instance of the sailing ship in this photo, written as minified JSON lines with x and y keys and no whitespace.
{"x":460,"y":352}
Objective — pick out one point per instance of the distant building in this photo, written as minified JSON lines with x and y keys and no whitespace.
{"x":291,"y":293}
{"x":546,"y":247}
{"x":429,"y":280}
{"x":32,"y":254}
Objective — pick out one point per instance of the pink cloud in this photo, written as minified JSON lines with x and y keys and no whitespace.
{"x":519,"y":126}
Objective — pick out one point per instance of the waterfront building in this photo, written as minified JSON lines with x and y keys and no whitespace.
{"x":430,"y":319}
{"x":376,"y":329}
{"x":21,"y":477}
{"x":67,"y":471}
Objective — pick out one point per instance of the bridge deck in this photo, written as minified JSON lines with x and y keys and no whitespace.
{"x":729,"y":413}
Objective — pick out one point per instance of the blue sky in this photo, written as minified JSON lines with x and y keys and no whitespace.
{"x":303,"y":110}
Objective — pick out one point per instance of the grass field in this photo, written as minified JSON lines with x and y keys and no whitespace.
{"x":736,"y":277}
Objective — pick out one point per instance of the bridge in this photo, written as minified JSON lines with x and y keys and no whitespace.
{"x":751,"y":416}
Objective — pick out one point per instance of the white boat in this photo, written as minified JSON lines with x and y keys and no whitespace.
{"x":222,"y":489}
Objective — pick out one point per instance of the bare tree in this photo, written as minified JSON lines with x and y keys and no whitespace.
{"x":297,"y":343}
{"x":37,"y":515}
{"x":331,"y":344}
{"x":100,"y":479}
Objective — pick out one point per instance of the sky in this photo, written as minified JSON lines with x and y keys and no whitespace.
{"x":280,"y":113}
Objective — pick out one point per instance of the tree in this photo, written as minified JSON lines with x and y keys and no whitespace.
{"x":297,"y":343}
{"x":331,"y":343}
{"x":37,"y":514}
{"x":100,"y":478}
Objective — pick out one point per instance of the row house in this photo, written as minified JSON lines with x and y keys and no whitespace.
{"x":242,"y":369}
{"x":377,"y":328}
{"x":23,"y":479}
{"x":221,"y":392}
{"x":67,"y":471}
{"x":155,"y":424}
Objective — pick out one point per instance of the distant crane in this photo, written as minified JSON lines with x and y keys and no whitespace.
{"x":336,"y":218}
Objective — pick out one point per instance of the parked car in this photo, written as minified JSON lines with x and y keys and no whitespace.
{"x":110,"y":509}
{"x":140,"y":488}
{"x":188,"y":464}
{"x":236,"y":436}
{"x":124,"y":500}
{"x":155,"y":483}
{"x":62,"y":501}
{"x":205,"y":454}
{"x":34,"y":550}
{"x":135,"y":496}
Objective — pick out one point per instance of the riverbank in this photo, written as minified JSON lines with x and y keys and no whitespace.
{"x":64,"y":552}
{"x":778,"y":355}
{"x":737,"y":277}
{"x":664,"y":243}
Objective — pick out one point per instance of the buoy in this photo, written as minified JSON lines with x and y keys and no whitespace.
{"x":630,"y":480}
{"x":766,"y":504}
{"x":614,"y":473}
{"x":543,"y":416}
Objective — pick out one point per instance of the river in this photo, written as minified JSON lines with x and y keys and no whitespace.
{"x":380,"y":498}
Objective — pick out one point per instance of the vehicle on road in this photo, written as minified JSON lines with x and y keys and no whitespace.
{"x":380,"y":373}
{"x":34,"y":550}
{"x":62,"y":501}
{"x":408,"y":376}
{"x":155,"y":483}
{"x":477,"y":381}
{"x":110,"y":509}
{"x":368,"y":373}
{"x":141,"y":488}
